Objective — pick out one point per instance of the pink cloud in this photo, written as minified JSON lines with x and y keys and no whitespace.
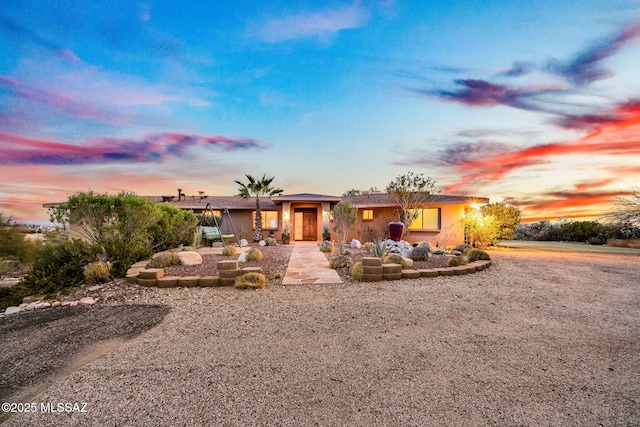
{"x":18,"y":149}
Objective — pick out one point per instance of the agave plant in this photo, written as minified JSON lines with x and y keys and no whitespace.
{"x":379,"y":248}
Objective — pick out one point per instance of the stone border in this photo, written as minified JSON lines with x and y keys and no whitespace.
{"x":374,"y":270}
{"x":228,"y":270}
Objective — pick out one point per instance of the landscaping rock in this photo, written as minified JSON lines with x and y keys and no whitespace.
{"x":12,"y":310}
{"x":87,"y":301}
{"x":242,"y":257}
{"x":262,"y":243}
{"x":243,"y":243}
{"x":190,"y":258}
{"x":409,"y":261}
{"x":356,"y":244}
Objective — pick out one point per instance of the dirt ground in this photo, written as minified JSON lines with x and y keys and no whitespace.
{"x":539,"y":338}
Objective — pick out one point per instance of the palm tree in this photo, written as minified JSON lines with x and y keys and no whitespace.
{"x":257,"y":188}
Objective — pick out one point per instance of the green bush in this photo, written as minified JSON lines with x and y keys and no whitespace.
{"x":478,"y":254}
{"x":251,"y":281}
{"x":420,"y":254}
{"x":583,"y":231}
{"x":340,"y":261}
{"x":270,"y":241}
{"x":60,"y":267}
{"x":97,"y":272}
{"x":357,"y":271}
{"x":229,"y":251}
{"x":456,"y":261}
{"x":164,"y":259}
{"x":254,"y":254}
{"x":395,"y":259}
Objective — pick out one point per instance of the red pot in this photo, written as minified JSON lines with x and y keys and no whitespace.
{"x":396,"y":230}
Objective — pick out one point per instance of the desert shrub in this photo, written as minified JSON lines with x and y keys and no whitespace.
{"x":378,"y":248}
{"x":251,"y":281}
{"x":229,"y":251}
{"x":456,"y":261}
{"x":420,"y":254}
{"x":357,"y":271}
{"x":395,"y":259}
{"x":327,"y":247}
{"x":631,"y":243}
{"x":582,"y":231}
{"x":340,"y":261}
{"x":59,"y":267}
{"x":541,"y":231}
{"x":597,"y":240}
{"x":270,"y":241}
{"x":97,"y":272}
{"x":462,"y":247}
{"x":478,"y":254}
{"x":165,"y":259}
{"x":254,"y":254}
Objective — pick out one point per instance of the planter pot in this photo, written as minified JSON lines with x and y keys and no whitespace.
{"x":285,"y":240}
{"x":396,"y":230}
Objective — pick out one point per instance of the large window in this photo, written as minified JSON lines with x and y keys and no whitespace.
{"x":269,"y":220}
{"x":367,"y":214}
{"x":428,"y":219}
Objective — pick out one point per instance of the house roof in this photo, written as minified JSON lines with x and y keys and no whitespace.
{"x":305,"y":197}
{"x":221,"y":202}
{"x":386,"y":200}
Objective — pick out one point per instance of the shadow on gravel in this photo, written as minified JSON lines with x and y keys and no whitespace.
{"x":42,"y":346}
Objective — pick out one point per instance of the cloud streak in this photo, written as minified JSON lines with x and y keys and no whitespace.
{"x":11,"y":27}
{"x":320,"y":24}
{"x":21,"y":150}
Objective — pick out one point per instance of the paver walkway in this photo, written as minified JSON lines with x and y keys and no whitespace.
{"x":308,"y":265}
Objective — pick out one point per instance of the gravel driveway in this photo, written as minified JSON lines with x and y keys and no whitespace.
{"x":537,"y":339}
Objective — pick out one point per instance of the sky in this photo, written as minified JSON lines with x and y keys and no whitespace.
{"x":533,"y":103}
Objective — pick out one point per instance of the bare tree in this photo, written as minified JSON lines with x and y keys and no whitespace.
{"x":412,"y":191}
{"x":626,"y":210}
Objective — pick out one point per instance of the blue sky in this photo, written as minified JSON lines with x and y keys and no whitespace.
{"x":534,"y":103}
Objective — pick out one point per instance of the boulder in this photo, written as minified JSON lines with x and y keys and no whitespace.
{"x":262,"y":243}
{"x":409,"y":261}
{"x":242,"y":257}
{"x":190,"y":258}
{"x":356,"y":244}
{"x":426,"y":245}
{"x":243,"y":243}
{"x":87,"y":301}
{"x":406,"y":252}
{"x":12,"y":310}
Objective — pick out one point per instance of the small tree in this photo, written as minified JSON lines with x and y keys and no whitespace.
{"x":479,"y":229}
{"x":412,"y":191}
{"x":344,"y":216}
{"x":506,"y":218}
{"x":257,"y":189}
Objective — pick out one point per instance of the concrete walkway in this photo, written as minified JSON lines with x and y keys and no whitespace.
{"x":308,"y":265}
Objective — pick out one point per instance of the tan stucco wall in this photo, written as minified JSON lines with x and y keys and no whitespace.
{"x":451,"y":230}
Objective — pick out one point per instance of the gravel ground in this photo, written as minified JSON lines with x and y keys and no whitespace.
{"x":536,"y":339}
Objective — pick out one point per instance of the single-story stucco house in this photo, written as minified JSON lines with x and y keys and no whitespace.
{"x":306,"y":215}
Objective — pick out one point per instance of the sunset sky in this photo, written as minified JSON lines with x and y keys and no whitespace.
{"x":535,"y":103}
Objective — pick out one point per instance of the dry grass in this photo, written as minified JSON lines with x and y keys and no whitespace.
{"x":619,"y":243}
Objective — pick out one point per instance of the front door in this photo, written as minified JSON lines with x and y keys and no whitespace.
{"x":305,"y":225}
{"x":309,"y":226}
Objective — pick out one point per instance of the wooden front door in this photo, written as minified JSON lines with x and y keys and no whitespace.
{"x":309,"y":226}
{"x":305,"y":225}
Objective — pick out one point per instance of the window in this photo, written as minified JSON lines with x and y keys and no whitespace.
{"x":269,"y":220}
{"x":428,"y":219}
{"x":367,"y":214}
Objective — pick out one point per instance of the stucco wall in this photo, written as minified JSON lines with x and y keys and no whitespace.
{"x":451,"y":228}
